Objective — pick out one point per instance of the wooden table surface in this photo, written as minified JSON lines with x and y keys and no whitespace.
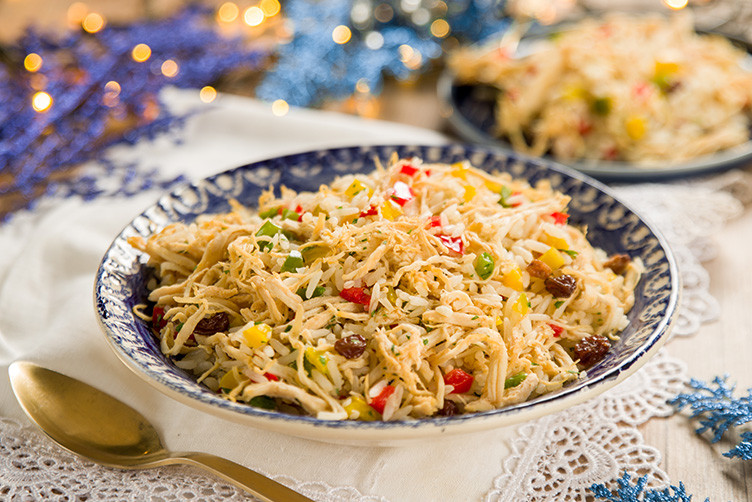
{"x":722,"y":346}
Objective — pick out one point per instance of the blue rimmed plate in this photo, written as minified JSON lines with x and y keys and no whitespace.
{"x":122,"y":275}
{"x":472,"y":113}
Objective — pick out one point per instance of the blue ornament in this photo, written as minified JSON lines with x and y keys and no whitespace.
{"x":719,"y":410}
{"x":101,"y":96}
{"x":628,"y":492}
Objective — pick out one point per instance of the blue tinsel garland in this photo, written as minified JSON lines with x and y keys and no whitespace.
{"x":86,"y":116}
{"x":312,"y":67}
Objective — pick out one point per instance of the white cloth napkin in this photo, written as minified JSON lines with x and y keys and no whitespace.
{"x":47,"y":266}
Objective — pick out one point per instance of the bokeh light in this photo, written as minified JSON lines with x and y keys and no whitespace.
{"x":440,"y":28}
{"x":41,"y":101}
{"x":270,"y":8}
{"x":676,"y":4}
{"x":141,"y":53}
{"x":253,"y":16}
{"x":207,"y":94}
{"x":341,"y":34}
{"x":77,"y":12}
{"x":280,"y":107}
{"x":170,"y":68}
{"x":93,"y":22}
{"x":33,"y":62}
{"x":228,"y":12}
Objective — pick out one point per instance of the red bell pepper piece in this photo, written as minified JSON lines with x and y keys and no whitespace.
{"x":460,"y":380}
{"x":371,"y":211}
{"x":559,"y":218}
{"x":356,"y":295}
{"x":557,"y":330}
{"x":453,"y":243}
{"x":401,"y":193}
{"x":157,"y":318}
{"x":435,"y":221}
{"x":378,"y":402}
{"x":271,"y":377}
{"x":409,"y":170}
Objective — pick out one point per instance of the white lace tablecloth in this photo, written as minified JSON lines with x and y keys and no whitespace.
{"x":47,"y":265}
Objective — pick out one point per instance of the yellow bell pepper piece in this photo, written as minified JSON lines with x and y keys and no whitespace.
{"x":556,"y":242}
{"x":459,"y":170}
{"x":365,"y":412}
{"x":356,"y":187}
{"x":493,"y":186}
{"x":636,"y":127}
{"x":317,"y":360}
{"x":470,"y":192}
{"x":665,"y":68}
{"x":390,"y":210}
{"x":231,"y":379}
{"x":521,"y":304}
{"x":258,"y":335}
{"x":552,"y":258}
{"x":513,"y":279}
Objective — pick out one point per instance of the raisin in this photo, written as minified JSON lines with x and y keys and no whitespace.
{"x":590,"y":350}
{"x":618,"y":263}
{"x":215,"y":324}
{"x":561,"y":286}
{"x":351,"y":346}
{"x":538,"y":269}
{"x":449,"y":409}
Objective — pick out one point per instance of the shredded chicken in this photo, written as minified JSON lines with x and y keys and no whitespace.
{"x":386,"y":295}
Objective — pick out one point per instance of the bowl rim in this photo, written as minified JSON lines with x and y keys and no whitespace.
{"x":379,"y":432}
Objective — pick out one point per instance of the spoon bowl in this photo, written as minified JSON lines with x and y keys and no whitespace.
{"x":95,"y":425}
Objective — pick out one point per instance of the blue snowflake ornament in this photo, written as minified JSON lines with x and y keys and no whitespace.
{"x":628,"y":492}
{"x":719,"y":410}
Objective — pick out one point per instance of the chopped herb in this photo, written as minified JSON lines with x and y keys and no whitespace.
{"x":178,"y":327}
{"x":425,"y":341}
{"x":474,"y":318}
{"x":288,"y":328}
{"x":505,"y":194}
{"x":558,"y":304}
{"x":571,"y":253}
{"x":263,"y":402}
{"x":317,"y":291}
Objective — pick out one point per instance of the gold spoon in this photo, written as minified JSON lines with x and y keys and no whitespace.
{"x":97,"y":426}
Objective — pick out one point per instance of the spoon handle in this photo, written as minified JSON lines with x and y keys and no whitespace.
{"x":257,"y":484}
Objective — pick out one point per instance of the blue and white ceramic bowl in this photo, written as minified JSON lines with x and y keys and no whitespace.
{"x":122,"y":275}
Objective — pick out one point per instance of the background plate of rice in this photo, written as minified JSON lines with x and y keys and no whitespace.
{"x":612,"y":226}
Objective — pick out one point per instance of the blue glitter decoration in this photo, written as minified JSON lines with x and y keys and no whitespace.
{"x":628,"y":492}
{"x":719,"y":410}
{"x":312,"y":67}
{"x":742,"y":450}
{"x":88,"y":114}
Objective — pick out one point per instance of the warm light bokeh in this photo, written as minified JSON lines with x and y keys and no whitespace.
{"x":207,"y":94}
{"x":228,"y":12}
{"x":41,"y":101}
{"x":341,"y":34}
{"x":280,"y":107}
{"x":33,"y":62}
{"x":253,"y":16}
{"x":141,"y":53}
{"x":93,"y":22}
{"x":170,"y":68}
